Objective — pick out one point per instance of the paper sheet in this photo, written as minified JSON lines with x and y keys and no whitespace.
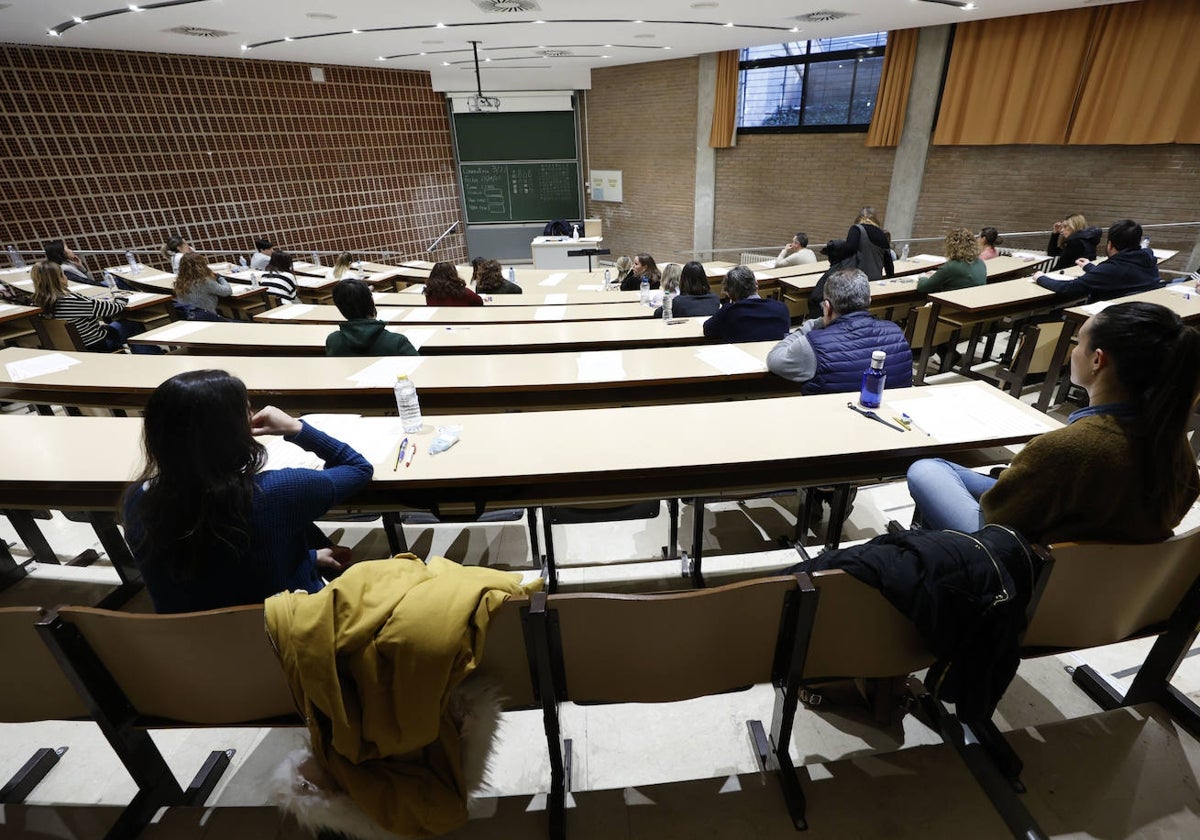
{"x":959,"y":413}
{"x":600,"y":366}
{"x":140,"y":297}
{"x":293,"y":310}
{"x":1184,"y":288}
{"x":927,"y":258}
{"x":4,"y":307}
{"x":1098,"y":306}
{"x":729,"y":359}
{"x":549,"y":313}
{"x":282,"y":455}
{"x":1028,"y":256}
{"x":374,"y":441}
{"x":312,"y":282}
{"x":556,"y":300}
{"x":553,"y":280}
{"x":590,"y":287}
{"x":383,"y":373}
{"x":39,"y":366}
{"x":417,"y":337}
{"x":1058,"y":275}
{"x":181,"y":329}
{"x":423,"y":313}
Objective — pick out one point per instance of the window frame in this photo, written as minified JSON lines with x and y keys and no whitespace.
{"x":808,"y":58}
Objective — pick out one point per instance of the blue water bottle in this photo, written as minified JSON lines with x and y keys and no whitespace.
{"x":873,"y":381}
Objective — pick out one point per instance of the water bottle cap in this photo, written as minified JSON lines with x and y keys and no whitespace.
{"x":401,"y":377}
{"x":878,"y":356}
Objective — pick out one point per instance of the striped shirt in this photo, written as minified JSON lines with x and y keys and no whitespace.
{"x":87,"y":315}
{"x":281,"y":284}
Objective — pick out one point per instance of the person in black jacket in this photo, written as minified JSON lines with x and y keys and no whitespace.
{"x":1071,"y":240}
{"x":696,"y":297}
{"x":644,"y":267}
{"x":1129,"y":269}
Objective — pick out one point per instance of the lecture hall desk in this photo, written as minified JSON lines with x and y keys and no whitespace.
{"x":416,"y":315}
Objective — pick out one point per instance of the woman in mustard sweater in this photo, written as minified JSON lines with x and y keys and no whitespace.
{"x":1121,"y":470}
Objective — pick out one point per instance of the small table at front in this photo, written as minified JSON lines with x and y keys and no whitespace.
{"x":1181,"y":298}
{"x":536,"y":458}
{"x":550,"y":252}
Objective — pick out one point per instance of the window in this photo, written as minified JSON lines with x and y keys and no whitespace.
{"x":827,"y":84}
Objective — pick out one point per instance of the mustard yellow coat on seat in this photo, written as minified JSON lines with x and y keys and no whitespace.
{"x":371,"y":660}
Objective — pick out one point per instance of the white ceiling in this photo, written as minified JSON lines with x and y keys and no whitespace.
{"x":435,"y":36}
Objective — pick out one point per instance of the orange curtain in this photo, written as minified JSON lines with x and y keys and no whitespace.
{"x":1015,"y":79}
{"x":1143,"y":82}
{"x":891,"y":103}
{"x":724,"y":122}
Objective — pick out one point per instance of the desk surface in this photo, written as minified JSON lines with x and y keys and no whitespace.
{"x":412,"y":297}
{"x":309,"y":339}
{"x":416,"y":315}
{"x":13,"y":312}
{"x":535,"y":457}
{"x":997,"y":269}
{"x":993,"y":297}
{"x":1181,"y":298}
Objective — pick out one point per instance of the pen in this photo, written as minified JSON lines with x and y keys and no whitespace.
{"x":912,"y":424}
{"x":400,"y":454}
{"x":408,"y":463}
{"x":872,"y":415}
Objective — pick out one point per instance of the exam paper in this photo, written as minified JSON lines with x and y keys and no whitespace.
{"x":139,"y":297}
{"x":417,"y":337}
{"x":292,"y":310}
{"x":600,"y":366}
{"x":282,"y":455}
{"x":1183,"y":289}
{"x":421,"y":313}
{"x":555,"y":300}
{"x":383,"y":373}
{"x":729,"y":359}
{"x":927,"y":258}
{"x":598,"y":287}
{"x":1098,"y":306}
{"x":958,"y":413}
{"x":549,"y":313}
{"x":553,"y":280}
{"x":374,"y":441}
{"x":38,"y":366}
{"x":181,"y":329}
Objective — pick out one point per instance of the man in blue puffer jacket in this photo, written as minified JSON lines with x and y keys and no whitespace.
{"x":1129,"y":269}
{"x":828,"y":355}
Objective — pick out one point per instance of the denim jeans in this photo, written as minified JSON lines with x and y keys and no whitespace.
{"x":118,"y":331}
{"x":947,"y":495}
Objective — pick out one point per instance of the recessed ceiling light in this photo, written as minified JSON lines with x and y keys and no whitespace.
{"x":539,"y":21}
{"x":422,"y":53}
{"x":52,"y":32}
{"x":794,"y":29}
{"x":445,"y":63}
{"x":354,"y":31}
{"x":134,"y":8}
{"x":245,"y":46}
{"x":78,"y":19}
{"x":381,"y":58}
{"x":666,"y":48}
{"x":320,"y":16}
{"x":644,"y":35}
{"x":441,"y":26}
{"x":288,"y":38}
{"x":637,"y":21}
{"x":730,"y":24}
{"x":704,"y":4}
{"x":487,"y":59}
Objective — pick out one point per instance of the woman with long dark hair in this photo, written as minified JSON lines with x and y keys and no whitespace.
{"x":445,"y":288}
{"x":1120,"y":470}
{"x":196,"y":284}
{"x":490,"y":280}
{"x":208,"y":527}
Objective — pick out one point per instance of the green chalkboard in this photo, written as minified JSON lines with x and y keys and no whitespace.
{"x":540,"y":135}
{"x":534,"y":191}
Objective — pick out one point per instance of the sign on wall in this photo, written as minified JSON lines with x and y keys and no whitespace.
{"x":606,"y":184}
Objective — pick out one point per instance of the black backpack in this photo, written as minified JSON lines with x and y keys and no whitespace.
{"x":558,"y":227}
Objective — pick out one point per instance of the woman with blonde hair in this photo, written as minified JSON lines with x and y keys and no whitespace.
{"x":343,"y":266}
{"x":624,"y":266}
{"x":874,"y":256}
{"x":1072,"y":239}
{"x":93,"y":317}
{"x":962,"y":269}
{"x":196,"y":285}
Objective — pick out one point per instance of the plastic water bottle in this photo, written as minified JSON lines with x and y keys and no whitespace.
{"x":645,"y":291}
{"x":407,"y":404}
{"x":15,"y":257}
{"x":873,"y":380}
{"x":904,"y":251}
{"x":607,"y":279}
{"x":316,"y":258}
{"x":1145,"y":242}
{"x":575,"y":232}
{"x":668,"y":305}
{"x":242,"y":262}
{"x":512,"y":275}
{"x":254,"y":284}
{"x":132,"y":260}
{"x":112,"y":287}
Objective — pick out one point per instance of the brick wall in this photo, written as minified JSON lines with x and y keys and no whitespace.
{"x":1030,"y":187}
{"x":641,"y":119}
{"x":771,"y":185}
{"x":115,"y":150}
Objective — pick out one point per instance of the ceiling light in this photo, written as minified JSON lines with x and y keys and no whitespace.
{"x":134,"y":8}
{"x":381,"y":58}
{"x":441,"y":26}
{"x":487,"y":59}
{"x":320,"y":16}
{"x":445,"y":63}
{"x":53,"y":32}
{"x":539,"y":21}
{"x":422,"y":53}
{"x":637,"y":21}
{"x":666,"y":48}
{"x":78,"y":19}
{"x":730,"y":24}
{"x":794,"y":29}
{"x":354,"y":31}
{"x":288,"y":38}
{"x":970,"y":7}
{"x":245,"y":47}
{"x":606,"y":56}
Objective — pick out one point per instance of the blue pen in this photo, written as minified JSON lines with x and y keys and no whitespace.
{"x":908,"y":421}
{"x":400,"y":454}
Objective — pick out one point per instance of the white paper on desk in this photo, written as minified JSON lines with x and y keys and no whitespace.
{"x":959,"y":413}
{"x":1098,"y":306}
{"x":374,"y":441}
{"x":416,"y":337}
{"x":1058,"y":275}
{"x":729,"y":359}
{"x":555,"y":300}
{"x":1183,"y":289}
{"x":12,"y":270}
{"x":383,"y":373}
{"x":549,"y":313}
{"x":423,"y":313}
{"x":312,"y":282}
{"x":600,"y":366}
{"x":38,"y":366}
{"x":1028,"y":256}
{"x":293,"y":310}
{"x":589,"y":287}
{"x":282,"y":455}
{"x":4,"y":307}
{"x":553,"y":280}
{"x":1161,"y":255}
{"x":928,"y":258}
{"x":181,"y":329}
{"x":139,"y":297}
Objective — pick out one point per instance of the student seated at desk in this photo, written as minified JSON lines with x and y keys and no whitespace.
{"x":695,"y":297}
{"x":96,"y":319}
{"x":1071,"y":240}
{"x":196,"y":286}
{"x":363,"y":334}
{"x":795,"y":252}
{"x":988,"y":239}
{"x":175,"y":249}
{"x":62,"y":256}
{"x":1129,"y":269}
{"x":624,"y":267}
{"x":644,"y":268}
{"x":828,"y":355}
{"x":208,"y":526}
{"x":262,"y":254}
{"x":279,"y":280}
{"x":668,"y":283}
{"x":747,"y":317}
{"x":962,"y":269}
{"x":489,"y":280}
{"x":343,"y":267}
{"x":1121,"y":470}
{"x":445,"y":288}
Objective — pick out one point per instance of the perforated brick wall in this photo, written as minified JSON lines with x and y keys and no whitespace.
{"x":115,"y":150}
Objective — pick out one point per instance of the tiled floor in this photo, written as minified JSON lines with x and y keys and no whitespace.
{"x":683,"y":769}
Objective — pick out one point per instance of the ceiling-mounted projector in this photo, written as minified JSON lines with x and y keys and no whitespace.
{"x":483,"y":104}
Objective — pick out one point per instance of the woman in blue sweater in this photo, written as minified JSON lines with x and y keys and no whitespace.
{"x":208,"y":527}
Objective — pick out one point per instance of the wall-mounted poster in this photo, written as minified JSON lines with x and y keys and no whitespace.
{"x":606,"y":184}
